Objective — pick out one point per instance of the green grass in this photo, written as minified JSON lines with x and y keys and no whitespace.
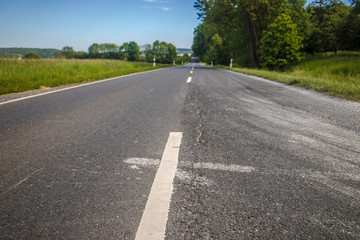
{"x":24,"y":75}
{"x":337,"y":75}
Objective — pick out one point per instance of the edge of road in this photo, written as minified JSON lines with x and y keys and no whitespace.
{"x":294,"y":87}
{"x":15,"y":97}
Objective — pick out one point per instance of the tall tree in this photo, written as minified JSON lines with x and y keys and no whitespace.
{"x":241,"y":24}
{"x":349,"y":30}
{"x":171,"y":53}
{"x":327,"y":18}
{"x":200,"y":42}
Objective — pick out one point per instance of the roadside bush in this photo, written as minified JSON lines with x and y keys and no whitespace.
{"x":281,"y":44}
{"x":31,"y":55}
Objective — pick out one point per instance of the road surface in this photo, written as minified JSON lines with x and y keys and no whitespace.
{"x":243,"y":157}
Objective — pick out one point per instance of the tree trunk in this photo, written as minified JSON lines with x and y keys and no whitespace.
{"x":254,"y":59}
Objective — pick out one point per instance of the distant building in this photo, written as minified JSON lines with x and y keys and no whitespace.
{"x":182,"y":51}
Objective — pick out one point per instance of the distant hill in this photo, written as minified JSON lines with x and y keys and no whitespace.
{"x":184,"y":50}
{"x":19,"y":52}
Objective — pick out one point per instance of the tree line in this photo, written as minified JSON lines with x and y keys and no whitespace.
{"x":163,"y":52}
{"x":20,"y":52}
{"x":273,"y":33}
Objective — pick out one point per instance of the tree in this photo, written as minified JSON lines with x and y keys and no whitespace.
{"x":184,"y":58}
{"x":104,"y":50}
{"x":134,"y":51}
{"x":328,"y":25}
{"x":215,"y":50}
{"x":80,"y":55}
{"x":349,"y":30}
{"x":94,"y":51}
{"x":148,"y":53}
{"x":109,"y":50}
{"x":171,"y":53}
{"x":280,"y":44}
{"x":67,"y":51}
{"x":163,"y":52}
{"x":31,"y":55}
{"x":241,"y":24}
{"x":199,"y":43}
{"x":130,"y":51}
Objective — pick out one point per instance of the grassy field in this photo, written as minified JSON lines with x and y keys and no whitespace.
{"x":336,"y":75}
{"x":23,"y":75}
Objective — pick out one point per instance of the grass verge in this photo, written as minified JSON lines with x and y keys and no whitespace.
{"x":24,"y":75}
{"x":335,"y":75}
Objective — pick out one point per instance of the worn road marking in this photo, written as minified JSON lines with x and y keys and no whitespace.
{"x":189,"y":80}
{"x":17,"y":184}
{"x":143,"y":161}
{"x":191,"y":72}
{"x":155,"y":216}
{"x":223,"y":167}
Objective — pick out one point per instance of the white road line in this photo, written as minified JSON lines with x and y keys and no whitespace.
{"x":155,"y":216}
{"x":191,"y":72}
{"x":189,"y":80}
{"x":77,"y":86}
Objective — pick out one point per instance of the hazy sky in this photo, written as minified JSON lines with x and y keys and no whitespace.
{"x":79,"y":23}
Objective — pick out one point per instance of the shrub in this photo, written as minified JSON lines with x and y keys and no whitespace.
{"x":31,"y":55}
{"x":280,"y":44}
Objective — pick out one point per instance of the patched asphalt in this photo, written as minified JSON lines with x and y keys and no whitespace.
{"x":263,"y":160}
{"x":258,"y":159}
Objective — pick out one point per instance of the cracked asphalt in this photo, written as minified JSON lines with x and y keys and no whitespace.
{"x":297,"y":154}
{"x":258,"y":159}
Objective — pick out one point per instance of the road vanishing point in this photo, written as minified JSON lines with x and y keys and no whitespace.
{"x":187,"y":152}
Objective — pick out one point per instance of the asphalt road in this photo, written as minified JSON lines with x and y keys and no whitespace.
{"x":257,"y":160}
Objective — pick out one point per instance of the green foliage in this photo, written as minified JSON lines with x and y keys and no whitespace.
{"x":104,"y":51}
{"x":328,"y":25}
{"x":338,"y":75}
{"x":349,"y":31}
{"x":31,"y":55}
{"x":23,"y":75}
{"x":67,"y":51}
{"x":184,"y":58}
{"x":19,"y":52}
{"x":171,"y":53}
{"x":241,"y":25}
{"x":325,"y":25}
{"x":80,"y":55}
{"x":162,"y":51}
{"x":214,"y":54}
{"x":148,"y":53}
{"x":94,"y":51}
{"x":200,"y":42}
{"x":280,"y":44}
{"x":130,"y":51}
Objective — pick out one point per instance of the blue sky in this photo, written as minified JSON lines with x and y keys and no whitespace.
{"x":79,"y":23}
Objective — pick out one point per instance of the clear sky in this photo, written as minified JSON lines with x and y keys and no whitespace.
{"x":79,"y":23}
